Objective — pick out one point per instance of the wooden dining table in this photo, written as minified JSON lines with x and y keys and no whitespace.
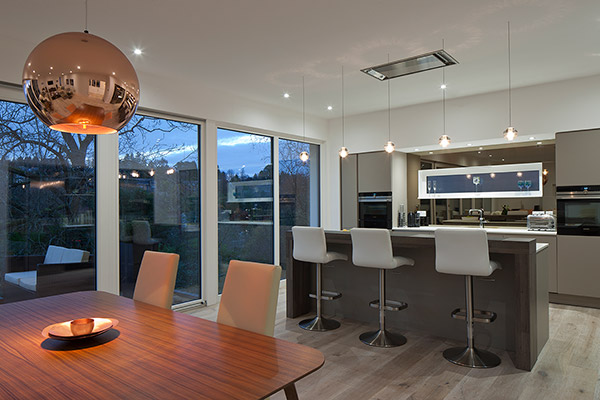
{"x":152,"y":353}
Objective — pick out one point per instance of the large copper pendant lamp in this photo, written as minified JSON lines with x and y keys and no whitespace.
{"x":77,"y":82}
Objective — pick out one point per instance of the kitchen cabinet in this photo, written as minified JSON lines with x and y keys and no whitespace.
{"x":577,"y":158}
{"x":374,"y":172}
{"x":349,"y":191}
{"x":579,"y":272}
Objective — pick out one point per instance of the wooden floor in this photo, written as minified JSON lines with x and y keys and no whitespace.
{"x":568,"y":367}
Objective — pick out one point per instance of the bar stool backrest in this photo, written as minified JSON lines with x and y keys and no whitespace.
{"x":462,"y":252}
{"x":309,"y":244}
{"x":372,"y":247}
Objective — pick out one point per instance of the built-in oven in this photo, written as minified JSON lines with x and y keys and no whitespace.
{"x":578,"y":210}
{"x":375,"y":210}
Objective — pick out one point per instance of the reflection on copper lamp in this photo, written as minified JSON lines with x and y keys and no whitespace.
{"x":77,"y":82}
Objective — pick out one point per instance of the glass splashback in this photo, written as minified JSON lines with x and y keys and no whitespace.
{"x":501,"y":181}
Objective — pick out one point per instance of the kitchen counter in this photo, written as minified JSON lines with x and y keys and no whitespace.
{"x":501,"y":230}
{"x":518,"y":293}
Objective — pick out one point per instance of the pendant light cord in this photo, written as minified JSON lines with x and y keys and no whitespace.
{"x":303,"y":113}
{"x":509,"y":81}
{"x":444,"y":94}
{"x":389,"y":109}
{"x":86,"y":17}
{"x":343,"y":114}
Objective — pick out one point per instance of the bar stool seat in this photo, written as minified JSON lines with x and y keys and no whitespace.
{"x":372,"y":248}
{"x":465,"y":252}
{"x":310,"y":246}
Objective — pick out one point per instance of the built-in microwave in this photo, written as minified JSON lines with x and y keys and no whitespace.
{"x":375,"y":210}
{"x":578,"y":210}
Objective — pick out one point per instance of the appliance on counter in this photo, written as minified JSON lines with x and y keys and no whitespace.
{"x":541,"y":221}
{"x":578,"y":210}
{"x":375,"y":210}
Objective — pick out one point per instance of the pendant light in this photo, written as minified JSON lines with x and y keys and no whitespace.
{"x":304,"y":154}
{"x":510,"y":133}
{"x":77,"y":82}
{"x":389,"y":146}
{"x":343,"y":150}
{"x":444,"y":140}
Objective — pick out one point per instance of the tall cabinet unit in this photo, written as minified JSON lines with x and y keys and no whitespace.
{"x":369,"y":173}
{"x":577,"y":164}
{"x":349,"y":191}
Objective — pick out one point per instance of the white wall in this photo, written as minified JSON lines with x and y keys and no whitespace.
{"x":539,"y":111}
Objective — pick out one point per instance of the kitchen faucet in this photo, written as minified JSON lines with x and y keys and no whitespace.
{"x":479,"y":211}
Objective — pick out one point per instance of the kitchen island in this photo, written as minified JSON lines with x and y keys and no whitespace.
{"x":517,"y":293}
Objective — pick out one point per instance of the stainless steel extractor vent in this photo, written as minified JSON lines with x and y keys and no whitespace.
{"x":411,"y":65}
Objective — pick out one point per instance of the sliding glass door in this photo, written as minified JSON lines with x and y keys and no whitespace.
{"x":159,"y":200}
{"x":245,"y":184}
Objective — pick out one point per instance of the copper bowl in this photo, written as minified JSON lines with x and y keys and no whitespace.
{"x":82,"y":326}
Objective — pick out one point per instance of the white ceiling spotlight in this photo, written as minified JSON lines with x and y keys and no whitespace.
{"x":286,"y":95}
{"x":329,"y":108}
{"x":137,"y":51}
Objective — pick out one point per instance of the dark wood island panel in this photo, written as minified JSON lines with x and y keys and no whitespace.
{"x":511,"y":292}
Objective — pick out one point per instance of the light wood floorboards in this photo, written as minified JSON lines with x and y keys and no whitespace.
{"x":568,"y":367}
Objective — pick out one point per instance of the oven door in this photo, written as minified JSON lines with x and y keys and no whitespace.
{"x":578,"y":215}
{"x":375,"y":214}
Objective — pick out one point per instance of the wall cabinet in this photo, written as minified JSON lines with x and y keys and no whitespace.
{"x":374,"y":172}
{"x":576,"y":158}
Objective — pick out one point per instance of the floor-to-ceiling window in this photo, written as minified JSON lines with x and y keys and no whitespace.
{"x":245,"y":184}
{"x":298,"y":190}
{"x":47,"y":207}
{"x":159,"y":200}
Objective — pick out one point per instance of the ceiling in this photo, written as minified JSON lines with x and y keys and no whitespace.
{"x":260,"y":49}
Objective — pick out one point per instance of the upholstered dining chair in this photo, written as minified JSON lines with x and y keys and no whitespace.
{"x":156,"y":280}
{"x":249,"y":297}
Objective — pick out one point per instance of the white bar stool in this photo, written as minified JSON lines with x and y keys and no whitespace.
{"x":310,"y":246}
{"x":372,"y":248}
{"x":465,"y":252}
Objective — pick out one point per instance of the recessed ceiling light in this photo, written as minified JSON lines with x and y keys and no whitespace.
{"x":531,"y":138}
{"x":469,"y":144}
{"x":539,"y":143}
{"x":443,"y":86}
{"x":286,"y":95}
{"x":431,"y":152}
{"x":481,"y":148}
{"x":137,"y":52}
{"x":416,"y":149}
{"x":330,"y":108}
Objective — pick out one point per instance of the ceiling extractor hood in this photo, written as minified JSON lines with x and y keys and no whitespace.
{"x":411,"y":65}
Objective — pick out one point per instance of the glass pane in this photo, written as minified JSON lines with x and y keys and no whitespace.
{"x":245,"y":174}
{"x":47,"y":207}
{"x":159,"y":200}
{"x":298,"y":190}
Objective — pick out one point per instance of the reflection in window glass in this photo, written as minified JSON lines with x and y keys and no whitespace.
{"x":47,"y":207}
{"x":298,"y":190}
{"x":159,"y":200}
{"x":245,"y":175}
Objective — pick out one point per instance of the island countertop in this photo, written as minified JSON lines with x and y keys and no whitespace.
{"x":501,"y":230}
{"x":518,"y":293}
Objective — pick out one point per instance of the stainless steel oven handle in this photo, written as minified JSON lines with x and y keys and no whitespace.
{"x":577,"y":197}
{"x":371,"y":200}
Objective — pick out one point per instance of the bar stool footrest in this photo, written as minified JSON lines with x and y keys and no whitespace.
{"x":480,"y":316}
{"x":326,"y":295}
{"x":390,"y":305}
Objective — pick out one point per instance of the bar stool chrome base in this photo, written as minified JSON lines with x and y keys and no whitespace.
{"x":319,"y":324}
{"x":471,"y":357}
{"x":382,"y":338}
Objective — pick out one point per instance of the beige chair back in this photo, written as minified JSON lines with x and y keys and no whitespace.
{"x":156,"y":281}
{"x":249,"y":298}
